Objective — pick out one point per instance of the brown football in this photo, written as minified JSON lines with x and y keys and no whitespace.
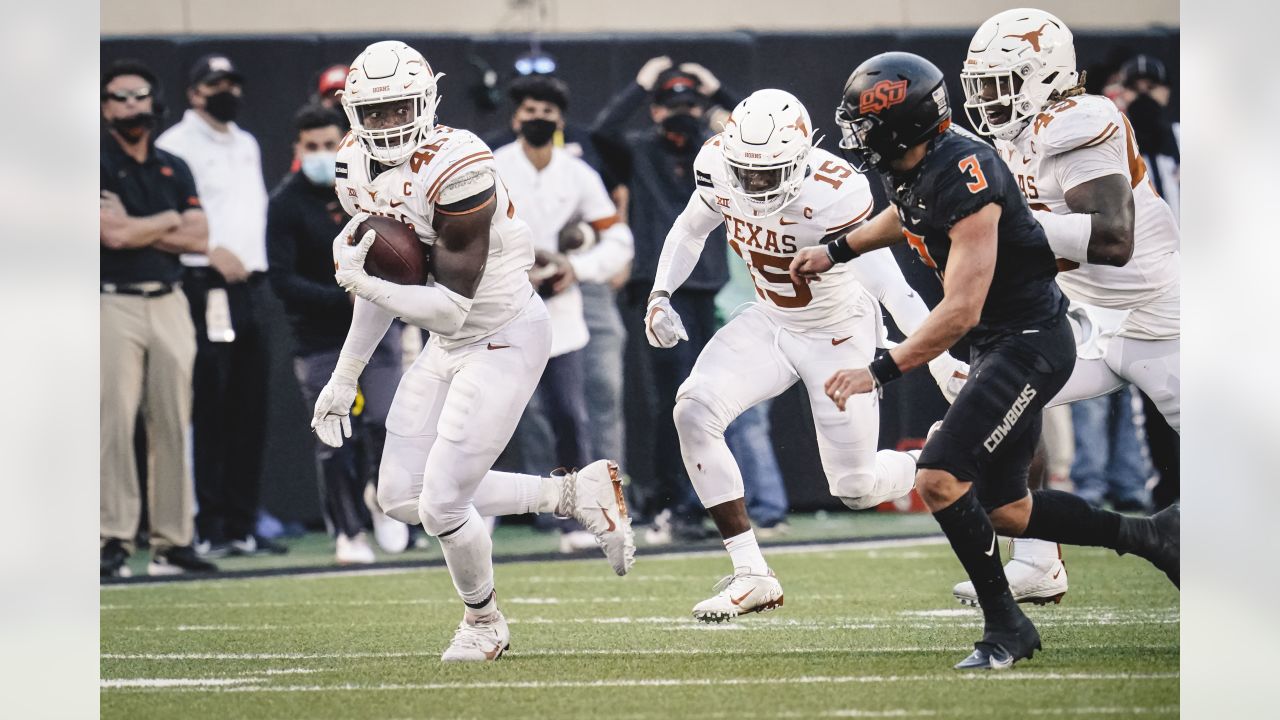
{"x":397,"y":255}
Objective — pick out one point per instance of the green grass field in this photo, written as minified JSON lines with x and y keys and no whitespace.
{"x":866,"y":632}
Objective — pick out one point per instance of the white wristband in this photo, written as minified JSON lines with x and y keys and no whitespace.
{"x":348,"y":369}
{"x":1068,"y":234}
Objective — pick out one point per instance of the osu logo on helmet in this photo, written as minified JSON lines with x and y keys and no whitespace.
{"x":883,"y":94}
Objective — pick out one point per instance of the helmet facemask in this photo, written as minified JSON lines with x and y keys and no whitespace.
{"x":392,"y":128}
{"x":855,"y":134}
{"x":999,"y":101}
{"x":762,"y":190}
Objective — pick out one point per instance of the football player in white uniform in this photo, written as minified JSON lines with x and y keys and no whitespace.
{"x":457,"y":406}
{"x":1078,"y":164}
{"x":776,"y":194}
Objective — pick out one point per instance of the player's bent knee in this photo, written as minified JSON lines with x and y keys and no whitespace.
{"x":440,"y":517}
{"x":692,"y":416}
{"x":938,"y":488}
{"x":1011,"y":519}
{"x":857,"y":490}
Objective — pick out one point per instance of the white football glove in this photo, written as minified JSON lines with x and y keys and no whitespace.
{"x":662,"y":324}
{"x":332,"y":419}
{"x":950,"y":374}
{"x":348,"y":258}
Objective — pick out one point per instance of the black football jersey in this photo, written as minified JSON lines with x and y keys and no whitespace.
{"x":958,"y":176}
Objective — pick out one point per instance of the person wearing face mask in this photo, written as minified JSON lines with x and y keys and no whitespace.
{"x":555,"y":191}
{"x":150,"y":212}
{"x":229,"y":294}
{"x":655,"y":164}
{"x":303,"y":216}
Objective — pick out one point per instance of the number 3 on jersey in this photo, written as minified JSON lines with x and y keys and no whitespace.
{"x":970,"y":166}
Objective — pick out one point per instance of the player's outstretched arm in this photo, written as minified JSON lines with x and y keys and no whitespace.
{"x":881,"y":231}
{"x":971,"y":264}
{"x":680,"y":253}
{"x":1102,"y":217}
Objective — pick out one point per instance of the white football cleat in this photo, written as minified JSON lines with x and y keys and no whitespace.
{"x":1039,"y":581}
{"x":482,"y":640}
{"x":738,"y":595}
{"x":593,"y":497}
{"x":354,"y":550}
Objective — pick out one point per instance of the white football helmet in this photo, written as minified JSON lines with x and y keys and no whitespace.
{"x":1018,"y":61}
{"x":765,"y":144}
{"x":391,"y":81}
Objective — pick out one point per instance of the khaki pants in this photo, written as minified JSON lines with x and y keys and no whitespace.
{"x":148,"y":348}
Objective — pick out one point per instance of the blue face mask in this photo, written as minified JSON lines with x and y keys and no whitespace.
{"x":319,"y":167}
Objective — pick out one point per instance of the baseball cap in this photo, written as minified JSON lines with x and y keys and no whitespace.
{"x":333,"y":78}
{"x":1142,"y":67}
{"x":212,"y":68}
{"x":676,"y":87}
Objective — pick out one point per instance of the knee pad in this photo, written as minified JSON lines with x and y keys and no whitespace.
{"x":857,"y":490}
{"x":692,"y":415}
{"x":400,"y":479}
{"x":438,"y":517}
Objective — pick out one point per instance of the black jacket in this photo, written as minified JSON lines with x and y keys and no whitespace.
{"x":302,"y":221}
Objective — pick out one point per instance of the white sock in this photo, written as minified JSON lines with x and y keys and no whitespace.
{"x":504,"y":493}
{"x":548,"y":494}
{"x":745,"y":554}
{"x":468,"y":553}
{"x":1033,"y":549}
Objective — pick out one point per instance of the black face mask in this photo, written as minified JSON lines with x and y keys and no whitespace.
{"x":134,"y":127}
{"x":224,"y":106}
{"x":537,"y":132}
{"x":681,"y":133}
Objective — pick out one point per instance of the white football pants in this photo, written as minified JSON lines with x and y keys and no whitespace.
{"x":753,"y":358}
{"x":1151,"y":365}
{"x":453,"y":413}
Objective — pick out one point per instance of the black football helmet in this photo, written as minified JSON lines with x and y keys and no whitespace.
{"x":892,"y":102}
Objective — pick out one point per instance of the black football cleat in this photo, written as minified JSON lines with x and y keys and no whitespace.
{"x":1157,"y":539}
{"x":999,"y":650}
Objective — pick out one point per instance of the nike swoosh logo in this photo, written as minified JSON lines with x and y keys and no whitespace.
{"x":784,"y":221}
{"x":611,"y":527}
{"x":1030,"y":332}
{"x":835,"y":342}
{"x":993,"y":545}
{"x":498,"y":347}
{"x":1056,"y":574}
{"x":396,"y":203}
{"x":738,"y":601}
{"x":495,"y":652}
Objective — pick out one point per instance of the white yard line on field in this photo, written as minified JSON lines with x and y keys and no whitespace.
{"x":570,"y":652}
{"x":1013,"y":676}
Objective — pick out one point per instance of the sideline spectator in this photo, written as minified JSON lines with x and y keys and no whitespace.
{"x":303,"y":217}
{"x":1145,"y":102}
{"x":1111,"y":461}
{"x":227,"y":290}
{"x":150,"y":212}
{"x":656,"y":165}
{"x":555,"y":193}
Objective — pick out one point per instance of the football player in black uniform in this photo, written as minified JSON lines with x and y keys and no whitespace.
{"x":955,"y":202}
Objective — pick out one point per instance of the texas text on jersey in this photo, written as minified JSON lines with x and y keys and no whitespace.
{"x":1079,"y":139}
{"x":832,"y":200}
{"x":958,"y":176}
{"x":452,"y":165}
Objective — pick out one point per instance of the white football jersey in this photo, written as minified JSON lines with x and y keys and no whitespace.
{"x":832,"y":199}
{"x":410,"y":191}
{"x":1080,"y":139}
